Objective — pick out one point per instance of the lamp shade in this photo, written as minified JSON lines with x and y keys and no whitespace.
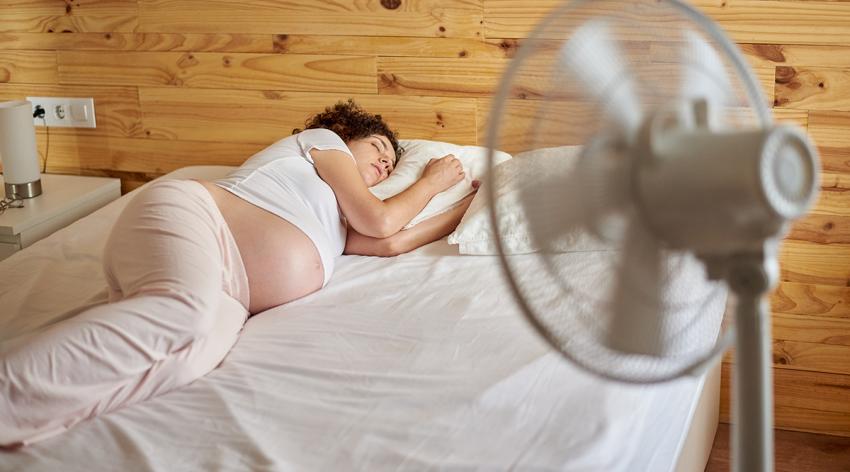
{"x":18,"y":151}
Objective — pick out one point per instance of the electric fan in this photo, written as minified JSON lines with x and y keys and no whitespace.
{"x":681,"y":177}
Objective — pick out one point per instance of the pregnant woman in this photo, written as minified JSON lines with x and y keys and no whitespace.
{"x":188,"y":261}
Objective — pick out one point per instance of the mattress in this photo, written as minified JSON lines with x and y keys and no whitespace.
{"x":416,"y":362}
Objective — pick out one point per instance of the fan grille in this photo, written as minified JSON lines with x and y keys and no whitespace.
{"x":544,"y":102}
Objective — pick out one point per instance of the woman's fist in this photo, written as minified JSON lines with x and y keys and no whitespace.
{"x":442,"y":173}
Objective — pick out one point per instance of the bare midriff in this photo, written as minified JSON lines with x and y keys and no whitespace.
{"x":281,"y":262}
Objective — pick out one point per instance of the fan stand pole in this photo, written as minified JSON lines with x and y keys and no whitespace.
{"x":752,"y":405}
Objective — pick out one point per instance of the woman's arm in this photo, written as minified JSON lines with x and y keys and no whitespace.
{"x":366,"y":213}
{"x":430,"y":230}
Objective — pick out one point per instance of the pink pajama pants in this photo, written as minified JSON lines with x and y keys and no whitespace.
{"x":178,"y":300}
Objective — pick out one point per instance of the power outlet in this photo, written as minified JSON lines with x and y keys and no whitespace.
{"x":62,"y":112}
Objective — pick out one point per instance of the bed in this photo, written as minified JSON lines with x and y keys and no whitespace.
{"x":418,"y":362}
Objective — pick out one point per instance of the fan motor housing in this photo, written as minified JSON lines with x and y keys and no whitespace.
{"x":720,"y":192}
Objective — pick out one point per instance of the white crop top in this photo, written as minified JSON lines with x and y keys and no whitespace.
{"x":282,"y":179}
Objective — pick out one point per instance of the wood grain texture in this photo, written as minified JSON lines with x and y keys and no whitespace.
{"x":803,"y":401}
{"x":264,"y":117}
{"x":426,"y":18}
{"x":790,"y":327}
{"x":806,"y":262}
{"x":794,"y":55}
{"x":150,"y":156}
{"x":811,"y":88}
{"x":831,"y":133}
{"x":522,"y":129}
{"x":68,"y":16}
{"x":746,"y":21}
{"x":814,"y":357}
{"x":779,"y":22}
{"x":812,"y":300}
{"x":439,"y":76}
{"x":834,"y":197}
{"x":347,"y":74}
{"x":117,"y":108}
{"x":387,"y":46}
{"x":197,"y":42}
{"x":34,"y":67}
{"x":797,"y":388}
{"x":511,"y":19}
{"x":791,"y":116}
{"x":823,"y":229}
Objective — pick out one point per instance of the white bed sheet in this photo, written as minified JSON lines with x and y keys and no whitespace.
{"x":418,"y":362}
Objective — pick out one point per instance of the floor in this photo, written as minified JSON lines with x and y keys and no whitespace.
{"x":795,"y":452}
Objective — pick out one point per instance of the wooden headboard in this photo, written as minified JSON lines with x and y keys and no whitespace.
{"x":212,"y":81}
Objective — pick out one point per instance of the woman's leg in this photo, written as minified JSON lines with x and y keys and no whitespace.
{"x":178,"y":303}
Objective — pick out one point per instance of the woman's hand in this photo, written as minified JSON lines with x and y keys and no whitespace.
{"x":442,"y":173}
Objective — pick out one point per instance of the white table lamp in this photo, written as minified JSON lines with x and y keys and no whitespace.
{"x":18,"y":152}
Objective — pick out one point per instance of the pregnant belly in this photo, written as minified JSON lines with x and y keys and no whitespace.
{"x":281,"y":262}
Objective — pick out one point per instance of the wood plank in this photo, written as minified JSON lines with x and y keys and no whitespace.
{"x":521,"y":127}
{"x":815,"y":357}
{"x":805,"y":262}
{"x":77,"y":7}
{"x":539,"y":76}
{"x":794,"y":55}
{"x":69,"y":153}
{"x":197,"y":42}
{"x":823,"y":229}
{"x":726,"y":390}
{"x":812,"y":88}
{"x":77,"y":16}
{"x":811,"y":299}
{"x":116,"y":108}
{"x":829,"y":130}
{"x":812,"y":329}
{"x":672,"y":52}
{"x":745,"y":21}
{"x":803,"y":401}
{"x":834,"y":198}
{"x":780,"y":22}
{"x":264,"y":117}
{"x":347,"y":74}
{"x":803,"y":419}
{"x":791,"y":116}
{"x":510,"y":19}
{"x":425,"y":18}
{"x":507,"y":48}
{"x":386,"y":46}
{"x":458,"y":77}
{"x":36,"y":67}
{"x":812,"y":390}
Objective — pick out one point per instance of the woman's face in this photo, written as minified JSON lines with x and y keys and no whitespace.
{"x":375,"y":158}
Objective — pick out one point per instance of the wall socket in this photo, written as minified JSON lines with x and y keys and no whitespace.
{"x":64,"y":112}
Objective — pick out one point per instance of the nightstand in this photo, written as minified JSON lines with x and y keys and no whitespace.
{"x":65,"y":199}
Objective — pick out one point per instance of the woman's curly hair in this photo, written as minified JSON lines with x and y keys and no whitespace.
{"x":350,"y":122}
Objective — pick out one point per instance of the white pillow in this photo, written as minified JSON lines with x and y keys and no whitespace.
{"x":417,"y":153}
{"x":474,"y":235}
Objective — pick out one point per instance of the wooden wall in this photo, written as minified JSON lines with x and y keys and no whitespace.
{"x":212,"y":81}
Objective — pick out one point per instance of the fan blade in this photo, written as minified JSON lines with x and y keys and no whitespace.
{"x":705,"y":77}
{"x":637,"y":320}
{"x":595,"y":58}
{"x":552,"y":205}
